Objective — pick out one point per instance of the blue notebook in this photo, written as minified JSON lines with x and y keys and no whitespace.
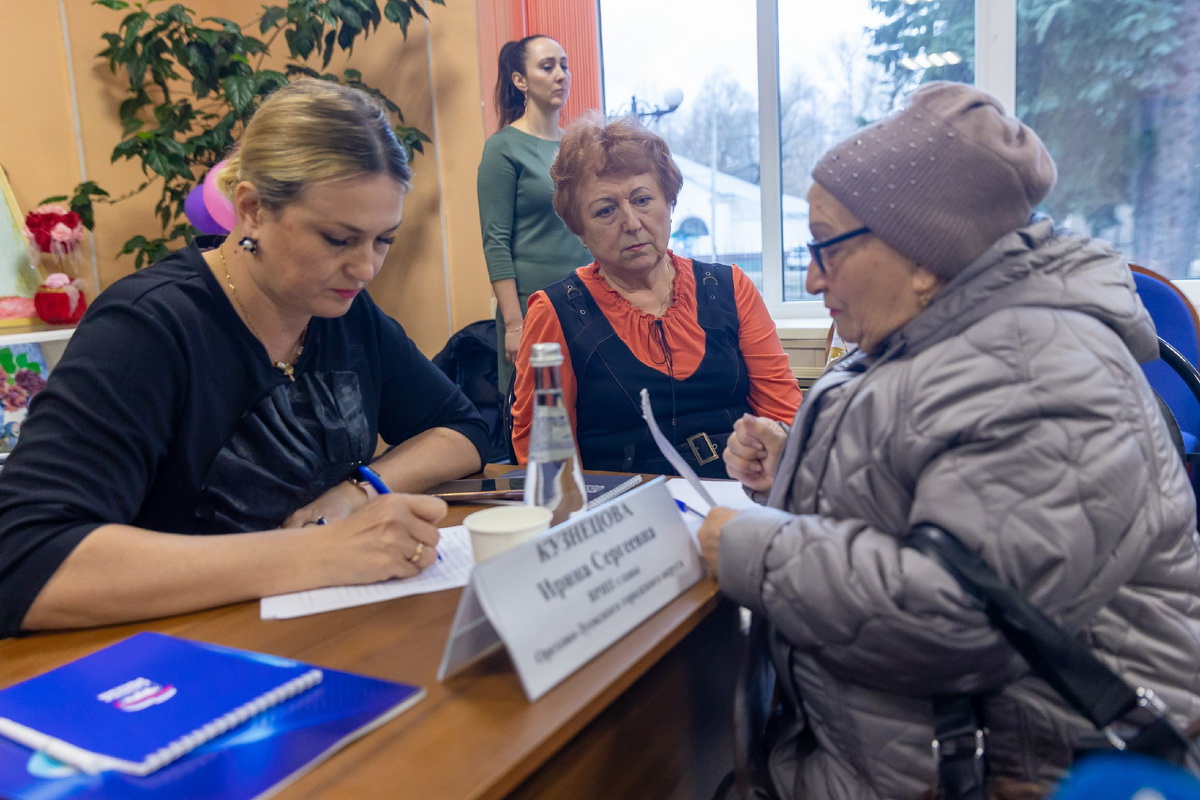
{"x":281,"y":740}
{"x":141,"y":703}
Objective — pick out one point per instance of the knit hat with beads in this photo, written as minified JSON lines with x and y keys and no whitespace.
{"x":943,"y":178}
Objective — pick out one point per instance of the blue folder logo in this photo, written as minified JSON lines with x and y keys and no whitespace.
{"x":137,"y":694}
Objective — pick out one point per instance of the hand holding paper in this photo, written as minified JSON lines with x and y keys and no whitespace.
{"x":709,"y":534}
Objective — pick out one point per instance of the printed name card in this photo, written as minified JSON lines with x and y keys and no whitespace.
{"x":559,"y":600}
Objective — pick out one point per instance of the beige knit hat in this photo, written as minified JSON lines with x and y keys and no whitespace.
{"x":943,"y":178}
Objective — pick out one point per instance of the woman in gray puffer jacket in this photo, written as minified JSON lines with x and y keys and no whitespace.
{"x":995,"y":392}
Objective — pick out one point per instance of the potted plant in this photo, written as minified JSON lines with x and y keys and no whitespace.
{"x":193,"y":83}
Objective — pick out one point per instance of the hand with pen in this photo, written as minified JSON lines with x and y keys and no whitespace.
{"x":710,"y":537}
{"x":708,"y":534}
{"x":365,"y":533}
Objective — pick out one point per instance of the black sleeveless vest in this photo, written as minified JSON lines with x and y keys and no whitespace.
{"x":695,"y":414}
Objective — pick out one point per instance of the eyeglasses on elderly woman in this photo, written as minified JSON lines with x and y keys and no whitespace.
{"x":815,"y":248}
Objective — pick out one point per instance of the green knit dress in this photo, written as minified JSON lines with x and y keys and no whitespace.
{"x":522,"y":236}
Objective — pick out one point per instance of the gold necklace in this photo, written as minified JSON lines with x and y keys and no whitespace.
{"x":663,"y":304}
{"x":286,"y":367}
{"x":666,"y":303}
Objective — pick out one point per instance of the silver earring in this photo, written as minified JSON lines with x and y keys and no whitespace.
{"x":249,"y":245}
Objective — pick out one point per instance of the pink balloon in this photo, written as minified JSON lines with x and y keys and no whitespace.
{"x":219,"y":206}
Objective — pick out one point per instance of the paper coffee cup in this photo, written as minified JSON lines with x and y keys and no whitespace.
{"x":495,"y":530}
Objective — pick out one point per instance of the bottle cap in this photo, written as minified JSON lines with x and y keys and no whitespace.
{"x":545,"y":354}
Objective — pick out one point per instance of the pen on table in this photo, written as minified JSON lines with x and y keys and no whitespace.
{"x":372,"y":477}
{"x":686,"y":509}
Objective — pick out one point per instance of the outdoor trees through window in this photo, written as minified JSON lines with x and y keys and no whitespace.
{"x":1114,"y":91}
{"x":1112,"y":88}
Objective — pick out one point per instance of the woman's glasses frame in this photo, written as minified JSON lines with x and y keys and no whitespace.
{"x":815,"y":248}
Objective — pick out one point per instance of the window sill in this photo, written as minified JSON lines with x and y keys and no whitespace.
{"x":1190,"y":288}
{"x":803,"y":328}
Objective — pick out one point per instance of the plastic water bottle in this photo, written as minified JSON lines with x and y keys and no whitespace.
{"x":553,"y":479}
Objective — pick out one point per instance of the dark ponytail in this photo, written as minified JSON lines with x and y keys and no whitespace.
{"x":510,"y":101}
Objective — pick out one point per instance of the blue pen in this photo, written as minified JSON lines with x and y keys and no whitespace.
{"x":685,"y":508}
{"x":372,"y":477}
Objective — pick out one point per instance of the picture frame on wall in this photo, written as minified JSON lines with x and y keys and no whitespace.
{"x":18,"y":275}
{"x":23,"y":373}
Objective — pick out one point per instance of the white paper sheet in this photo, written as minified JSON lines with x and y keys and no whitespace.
{"x":681,"y":466}
{"x":449,"y":573}
{"x":724,"y":493}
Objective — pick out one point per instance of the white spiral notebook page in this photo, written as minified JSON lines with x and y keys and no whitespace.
{"x":451,"y":572}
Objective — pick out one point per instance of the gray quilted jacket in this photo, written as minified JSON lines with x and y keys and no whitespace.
{"x":1011,"y":411}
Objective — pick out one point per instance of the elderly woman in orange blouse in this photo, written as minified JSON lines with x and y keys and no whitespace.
{"x":696,"y":335}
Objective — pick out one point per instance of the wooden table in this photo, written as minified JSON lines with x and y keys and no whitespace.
{"x":648,"y":718}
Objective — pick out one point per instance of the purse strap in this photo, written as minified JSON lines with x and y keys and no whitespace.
{"x":1066,"y":663}
{"x":959,"y":747}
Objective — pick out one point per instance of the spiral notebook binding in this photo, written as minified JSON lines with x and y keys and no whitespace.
{"x":226,"y":722}
{"x":620,"y":488}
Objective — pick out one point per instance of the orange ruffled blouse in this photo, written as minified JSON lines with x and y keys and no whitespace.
{"x":773,"y":389}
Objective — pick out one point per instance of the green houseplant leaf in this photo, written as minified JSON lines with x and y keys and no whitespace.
{"x":193,"y":84}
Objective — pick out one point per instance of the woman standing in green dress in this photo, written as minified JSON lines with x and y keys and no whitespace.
{"x":526,"y":245}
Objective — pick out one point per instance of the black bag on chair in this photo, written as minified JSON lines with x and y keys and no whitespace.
{"x":469,"y":359}
{"x":1067,"y":664}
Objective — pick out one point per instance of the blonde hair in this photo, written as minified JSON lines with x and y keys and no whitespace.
{"x":312,"y":131}
{"x":592,"y":146}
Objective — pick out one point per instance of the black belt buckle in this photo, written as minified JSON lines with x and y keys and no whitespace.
{"x":705,"y":442}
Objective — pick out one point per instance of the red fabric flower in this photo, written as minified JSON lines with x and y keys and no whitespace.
{"x":53,"y":229}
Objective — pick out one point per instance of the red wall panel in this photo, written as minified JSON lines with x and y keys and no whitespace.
{"x":576,"y":26}
{"x":574,"y":23}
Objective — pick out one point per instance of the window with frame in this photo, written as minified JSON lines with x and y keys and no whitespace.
{"x":1118,"y":105}
{"x":698,"y":88}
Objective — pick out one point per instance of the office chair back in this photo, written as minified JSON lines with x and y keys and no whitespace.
{"x":1187,"y":374}
{"x":1177,"y":324}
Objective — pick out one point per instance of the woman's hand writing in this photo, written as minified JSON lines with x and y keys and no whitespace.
{"x":393,"y":536}
{"x":752,"y":452}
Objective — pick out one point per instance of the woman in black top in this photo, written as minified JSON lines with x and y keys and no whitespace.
{"x":234,"y":390}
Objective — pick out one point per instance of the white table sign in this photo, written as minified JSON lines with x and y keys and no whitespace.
{"x":557,"y":601}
